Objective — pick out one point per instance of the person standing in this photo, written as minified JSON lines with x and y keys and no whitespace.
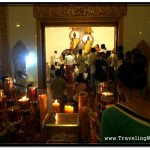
{"x":56,"y":59}
{"x":91,"y":59}
{"x":101,"y":72}
{"x":69,"y":62}
{"x":103,"y":48}
{"x":81,"y":62}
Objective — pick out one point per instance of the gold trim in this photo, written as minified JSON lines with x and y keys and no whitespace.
{"x":76,"y":10}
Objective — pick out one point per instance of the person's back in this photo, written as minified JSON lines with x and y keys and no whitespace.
{"x":81,"y":62}
{"x":101,"y":65}
{"x":129,"y":120}
{"x":58,"y":85}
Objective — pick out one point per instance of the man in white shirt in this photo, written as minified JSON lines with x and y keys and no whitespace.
{"x":69,"y":62}
{"x":56,"y":60}
{"x":103,"y":48}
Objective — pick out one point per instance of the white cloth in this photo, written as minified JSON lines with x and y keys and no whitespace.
{"x":56,"y":59}
{"x":102,"y":50}
{"x":69,"y":60}
{"x":81,"y":62}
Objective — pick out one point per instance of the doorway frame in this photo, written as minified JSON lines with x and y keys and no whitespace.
{"x":73,"y":15}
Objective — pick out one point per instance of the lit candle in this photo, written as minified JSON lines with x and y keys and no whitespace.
{"x":32,"y":93}
{"x":1,"y":93}
{"x":56,"y":106}
{"x":107,"y":94}
{"x":69,"y":109}
{"x":24,"y":102}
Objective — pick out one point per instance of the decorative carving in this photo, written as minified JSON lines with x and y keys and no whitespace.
{"x":4,"y":49}
{"x":79,"y":10}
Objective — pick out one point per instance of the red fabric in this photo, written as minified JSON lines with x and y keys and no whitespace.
{"x":69,"y":73}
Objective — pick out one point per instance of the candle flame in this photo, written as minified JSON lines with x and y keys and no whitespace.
{"x":56,"y":101}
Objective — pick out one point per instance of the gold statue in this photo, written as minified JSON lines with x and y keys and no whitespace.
{"x":88,"y":45}
{"x":74,"y":41}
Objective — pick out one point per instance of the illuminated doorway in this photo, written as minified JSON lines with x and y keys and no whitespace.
{"x":58,"y":39}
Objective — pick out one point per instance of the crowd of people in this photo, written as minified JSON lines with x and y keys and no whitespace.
{"x":128,"y":121}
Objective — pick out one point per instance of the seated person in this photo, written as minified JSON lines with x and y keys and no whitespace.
{"x":58,"y":86}
{"x":21,"y":84}
{"x":80,"y":86}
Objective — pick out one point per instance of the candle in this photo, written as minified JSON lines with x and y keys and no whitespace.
{"x":83,"y":100}
{"x":32,"y":93}
{"x":43,"y":106}
{"x":1,"y":93}
{"x":69,"y":109}
{"x":8,"y":83}
{"x":56,"y":106}
{"x":107,"y":98}
{"x":107,"y":94}
{"x":24,"y":103}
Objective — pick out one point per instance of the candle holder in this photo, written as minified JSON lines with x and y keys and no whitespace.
{"x":14,"y":114}
{"x":102,"y":87}
{"x":1,"y":93}
{"x":8,"y":83}
{"x":56,"y":106}
{"x":24,"y":103}
{"x":32,"y":94}
{"x":107,"y":98}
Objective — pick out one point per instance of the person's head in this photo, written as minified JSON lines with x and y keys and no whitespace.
{"x":128,"y":55}
{"x":120,"y":56}
{"x":102,"y":56}
{"x":80,"y":51}
{"x":58,"y":72}
{"x":103,"y":46}
{"x":108,"y":53}
{"x":19,"y":74}
{"x":62,"y":66}
{"x":55,"y":52}
{"x":130,"y":77}
{"x":135,"y":51}
{"x":140,"y":60}
{"x":97,"y":45}
{"x":120,"y":49}
{"x":93,"y":50}
{"x":52,"y":67}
